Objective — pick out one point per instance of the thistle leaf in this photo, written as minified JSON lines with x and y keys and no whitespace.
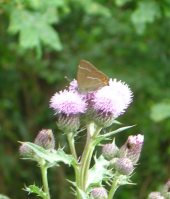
{"x":51,"y":156}
{"x":99,"y":172}
{"x":36,"y":190}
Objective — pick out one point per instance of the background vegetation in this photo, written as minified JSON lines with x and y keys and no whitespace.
{"x":42,"y":41}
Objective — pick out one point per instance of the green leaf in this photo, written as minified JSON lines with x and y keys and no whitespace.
{"x":116,"y":131}
{"x":146,"y":12}
{"x":121,"y":2}
{"x":52,"y":157}
{"x":83,"y":194}
{"x":36,"y":190}
{"x":3,"y":197}
{"x":99,"y":172}
{"x":35,"y":28}
{"x":53,"y":40}
{"x":160,"y":111}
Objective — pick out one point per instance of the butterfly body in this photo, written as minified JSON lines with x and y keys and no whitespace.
{"x":89,"y":78}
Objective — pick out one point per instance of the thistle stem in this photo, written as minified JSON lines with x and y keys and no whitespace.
{"x":87,"y":153}
{"x":70,"y":139}
{"x":114,"y":187}
{"x":71,"y":143}
{"x":45,"y":180}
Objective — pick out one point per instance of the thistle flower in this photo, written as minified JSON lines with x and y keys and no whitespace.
{"x":132,"y":148}
{"x":45,"y":139}
{"x":68,"y":105}
{"x":73,"y":86}
{"x":155,"y":195}
{"x":99,"y":193}
{"x":109,"y":151}
{"x":124,"y":166}
{"x":111,"y":101}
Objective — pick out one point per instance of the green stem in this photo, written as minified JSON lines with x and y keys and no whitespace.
{"x":45,"y":180}
{"x":87,"y":153}
{"x":70,"y":139}
{"x":114,"y":187}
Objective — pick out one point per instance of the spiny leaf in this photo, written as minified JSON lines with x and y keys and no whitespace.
{"x":98,"y":172}
{"x":36,"y":190}
{"x":51,"y":156}
{"x":116,"y":131}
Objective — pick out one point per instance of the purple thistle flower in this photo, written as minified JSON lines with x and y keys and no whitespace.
{"x":132,"y":147}
{"x":113,"y":99}
{"x":73,"y":86}
{"x":68,"y":103}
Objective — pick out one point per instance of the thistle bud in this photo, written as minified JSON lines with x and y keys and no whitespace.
{"x":99,"y":193}
{"x":155,"y":195}
{"x":69,"y":123}
{"x":110,"y":151}
{"x":132,"y":148}
{"x":103,"y":119}
{"x":25,"y":151}
{"x":124,"y":166}
{"x":45,"y":139}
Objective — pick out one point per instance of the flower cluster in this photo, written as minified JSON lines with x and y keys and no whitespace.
{"x":104,"y":105}
{"x":125,"y":158}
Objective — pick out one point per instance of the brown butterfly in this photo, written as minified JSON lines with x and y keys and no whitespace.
{"x":89,"y":78}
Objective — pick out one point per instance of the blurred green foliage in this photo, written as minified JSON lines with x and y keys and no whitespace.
{"x":42,"y":41}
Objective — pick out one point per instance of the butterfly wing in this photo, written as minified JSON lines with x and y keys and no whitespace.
{"x":89,"y":78}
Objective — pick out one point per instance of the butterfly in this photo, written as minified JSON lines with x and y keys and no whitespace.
{"x":89,"y":78}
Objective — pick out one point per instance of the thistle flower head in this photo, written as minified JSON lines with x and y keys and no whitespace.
{"x":73,"y":86}
{"x":113,"y":99}
{"x":68,"y":103}
{"x":132,"y":148}
{"x":99,"y":193}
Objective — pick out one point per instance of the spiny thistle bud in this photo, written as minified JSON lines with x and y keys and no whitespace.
{"x":69,"y":123}
{"x":25,"y":151}
{"x":110,"y":151}
{"x":124,"y":166}
{"x":132,"y":148}
{"x":99,"y":193}
{"x":45,"y":139}
{"x":155,"y":195}
{"x":103,"y":119}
